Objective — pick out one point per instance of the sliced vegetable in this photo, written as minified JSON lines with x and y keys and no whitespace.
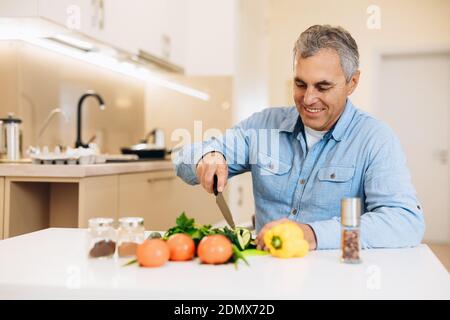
{"x":254,"y":252}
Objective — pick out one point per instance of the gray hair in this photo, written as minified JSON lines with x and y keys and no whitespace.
{"x":319,"y":37}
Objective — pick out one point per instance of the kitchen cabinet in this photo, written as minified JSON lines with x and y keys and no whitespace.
{"x":72,"y":14}
{"x":35,"y":197}
{"x":157,"y":27}
{"x":160,"y":197}
{"x":33,"y":204}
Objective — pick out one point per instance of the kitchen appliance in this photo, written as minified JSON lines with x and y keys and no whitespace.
{"x":222,"y":204}
{"x":10,"y":138}
{"x":87,"y":94}
{"x":146,"y":150}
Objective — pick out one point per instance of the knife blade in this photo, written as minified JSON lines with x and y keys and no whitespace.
{"x":222,"y":204}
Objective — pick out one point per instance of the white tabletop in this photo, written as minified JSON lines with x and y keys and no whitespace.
{"x":53,"y":264}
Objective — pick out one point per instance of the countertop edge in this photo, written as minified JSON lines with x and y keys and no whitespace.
{"x":82,"y":171}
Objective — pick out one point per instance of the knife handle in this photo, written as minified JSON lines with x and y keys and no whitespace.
{"x":215,"y":185}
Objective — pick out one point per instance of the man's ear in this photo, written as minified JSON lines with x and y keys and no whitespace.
{"x":353,"y":83}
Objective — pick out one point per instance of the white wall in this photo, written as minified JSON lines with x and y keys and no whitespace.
{"x":404,"y":24}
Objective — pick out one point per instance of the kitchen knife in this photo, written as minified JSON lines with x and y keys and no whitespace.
{"x":221,"y":203}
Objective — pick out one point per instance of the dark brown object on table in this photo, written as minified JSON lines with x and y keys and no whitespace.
{"x":103,"y":248}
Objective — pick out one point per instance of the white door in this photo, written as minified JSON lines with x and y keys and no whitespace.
{"x":415,"y":102}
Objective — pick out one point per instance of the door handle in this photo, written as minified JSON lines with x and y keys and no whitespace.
{"x":151,"y":180}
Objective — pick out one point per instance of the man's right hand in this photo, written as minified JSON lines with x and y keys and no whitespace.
{"x":211,"y":164}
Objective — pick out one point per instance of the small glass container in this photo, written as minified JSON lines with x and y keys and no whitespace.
{"x":350,"y":230}
{"x":101,"y":243}
{"x":130,"y":235}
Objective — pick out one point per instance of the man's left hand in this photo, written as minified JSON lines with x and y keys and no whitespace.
{"x":307,"y":232}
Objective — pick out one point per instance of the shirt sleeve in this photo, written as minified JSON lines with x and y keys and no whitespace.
{"x":234,"y":145}
{"x":393,"y":217}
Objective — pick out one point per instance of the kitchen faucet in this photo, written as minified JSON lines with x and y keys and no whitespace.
{"x":89,"y":93}
{"x":50,"y":117}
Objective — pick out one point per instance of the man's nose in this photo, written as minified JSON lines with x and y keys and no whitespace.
{"x":310,"y":96}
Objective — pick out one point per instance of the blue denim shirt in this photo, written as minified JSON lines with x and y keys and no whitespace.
{"x":359,"y":157}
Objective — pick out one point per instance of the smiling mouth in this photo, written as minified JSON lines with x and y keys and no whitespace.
{"x":313,"y":110}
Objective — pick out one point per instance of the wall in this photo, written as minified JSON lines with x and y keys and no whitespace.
{"x":33,"y":81}
{"x":177,"y":113}
{"x":405,"y":24}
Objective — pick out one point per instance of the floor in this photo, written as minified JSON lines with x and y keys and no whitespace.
{"x":442,"y":252}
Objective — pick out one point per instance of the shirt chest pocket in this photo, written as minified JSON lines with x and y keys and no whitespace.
{"x":333,"y":183}
{"x":269,"y":176}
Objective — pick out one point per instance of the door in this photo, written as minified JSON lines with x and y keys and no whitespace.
{"x":415,"y":102}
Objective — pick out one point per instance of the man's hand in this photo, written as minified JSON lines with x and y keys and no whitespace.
{"x":211,"y":164}
{"x":307,"y":232}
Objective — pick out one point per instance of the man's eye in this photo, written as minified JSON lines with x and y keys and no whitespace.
{"x":300,"y":85}
{"x":321,"y":89}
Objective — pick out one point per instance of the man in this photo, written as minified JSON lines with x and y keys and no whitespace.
{"x":324,"y":150}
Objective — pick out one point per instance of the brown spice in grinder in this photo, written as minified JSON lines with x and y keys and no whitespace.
{"x":103,"y":248}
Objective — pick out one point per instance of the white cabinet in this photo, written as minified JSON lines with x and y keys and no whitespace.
{"x":157,"y":27}
{"x":72,"y":14}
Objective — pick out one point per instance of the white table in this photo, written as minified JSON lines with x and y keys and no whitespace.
{"x":53,"y":264}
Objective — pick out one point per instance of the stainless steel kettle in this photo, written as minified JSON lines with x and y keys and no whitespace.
{"x":10,"y":138}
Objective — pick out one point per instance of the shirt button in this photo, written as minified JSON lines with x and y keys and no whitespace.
{"x":302,"y":181}
{"x":294,"y":211}
{"x":332,"y":176}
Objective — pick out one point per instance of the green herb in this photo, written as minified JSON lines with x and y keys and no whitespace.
{"x":188,"y":226}
{"x":129,"y":263}
{"x":254,"y":252}
{"x":237,"y":255}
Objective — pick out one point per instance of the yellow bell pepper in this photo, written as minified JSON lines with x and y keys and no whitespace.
{"x":286,"y":240}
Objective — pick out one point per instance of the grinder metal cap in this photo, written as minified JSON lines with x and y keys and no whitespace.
{"x":350,"y":211}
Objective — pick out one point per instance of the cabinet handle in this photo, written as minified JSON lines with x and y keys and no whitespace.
{"x":160,"y":179}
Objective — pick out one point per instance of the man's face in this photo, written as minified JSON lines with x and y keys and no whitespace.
{"x":320,"y":89}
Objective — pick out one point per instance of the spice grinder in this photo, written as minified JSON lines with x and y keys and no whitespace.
{"x":10,"y":138}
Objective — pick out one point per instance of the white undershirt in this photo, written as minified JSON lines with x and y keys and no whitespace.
{"x":313,"y":136}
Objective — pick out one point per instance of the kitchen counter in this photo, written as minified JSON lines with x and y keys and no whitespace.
{"x":80,"y":171}
{"x":35,"y":197}
{"x":52,"y":264}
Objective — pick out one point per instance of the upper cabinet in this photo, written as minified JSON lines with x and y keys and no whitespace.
{"x":156,"y":27}
{"x":196,"y":35}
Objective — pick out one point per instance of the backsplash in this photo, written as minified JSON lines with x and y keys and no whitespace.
{"x":34,"y":81}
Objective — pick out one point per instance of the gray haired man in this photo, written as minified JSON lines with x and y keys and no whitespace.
{"x":326,"y":150}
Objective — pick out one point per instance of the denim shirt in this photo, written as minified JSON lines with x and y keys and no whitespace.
{"x":359,"y":157}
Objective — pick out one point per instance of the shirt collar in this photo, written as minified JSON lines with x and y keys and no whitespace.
{"x":293,"y":121}
{"x":340,"y":127}
{"x":290,"y":121}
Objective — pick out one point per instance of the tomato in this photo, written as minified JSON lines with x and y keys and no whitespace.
{"x":181,"y":247}
{"x":152,"y":253}
{"x":215,"y":249}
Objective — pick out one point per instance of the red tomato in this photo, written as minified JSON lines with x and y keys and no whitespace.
{"x":152,"y":253}
{"x":215,"y":249}
{"x":181,"y":247}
